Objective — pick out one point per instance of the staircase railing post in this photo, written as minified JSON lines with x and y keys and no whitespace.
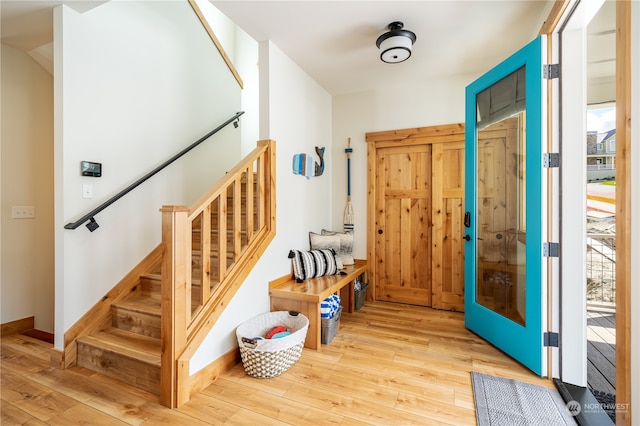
{"x":270,"y":167}
{"x":175,"y":270}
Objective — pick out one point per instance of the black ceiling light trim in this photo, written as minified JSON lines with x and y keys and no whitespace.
{"x":395,"y":45}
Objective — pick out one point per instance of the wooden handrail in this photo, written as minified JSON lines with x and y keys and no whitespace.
{"x":205,"y":23}
{"x":233,"y":224}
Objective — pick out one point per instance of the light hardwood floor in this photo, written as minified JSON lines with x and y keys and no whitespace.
{"x":389,"y":364}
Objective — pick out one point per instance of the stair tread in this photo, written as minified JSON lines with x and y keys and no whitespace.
{"x":132,"y":345}
{"x":148,"y":304}
{"x":152,"y":275}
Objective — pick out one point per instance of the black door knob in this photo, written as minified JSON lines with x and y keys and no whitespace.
{"x":467,"y":237}
{"x":380,"y":231}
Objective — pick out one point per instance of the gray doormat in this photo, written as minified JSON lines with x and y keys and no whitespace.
{"x":607,"y":402}
{"x":509,"y":402}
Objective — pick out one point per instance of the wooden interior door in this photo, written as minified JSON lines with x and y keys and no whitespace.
{"x":403,"y":228}
{"x":416,"y":215}
{"x":448,"y":225}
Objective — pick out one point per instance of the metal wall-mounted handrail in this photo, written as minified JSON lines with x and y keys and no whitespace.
{"x":89,"y":217}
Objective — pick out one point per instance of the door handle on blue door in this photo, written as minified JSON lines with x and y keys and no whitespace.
{"x":467,"y":237}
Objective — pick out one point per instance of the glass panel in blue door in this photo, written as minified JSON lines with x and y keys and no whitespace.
{"x":501,"y":235}
{"x":503,"y":195}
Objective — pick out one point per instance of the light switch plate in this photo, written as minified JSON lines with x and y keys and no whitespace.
{"x":87,"y":190}
{"x":23,"y":212}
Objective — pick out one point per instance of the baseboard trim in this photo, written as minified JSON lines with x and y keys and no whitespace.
{"x":45,"y":336}
{"x":17,"y":326}
{"x":56,"y":359}
{"x":210,"y":373}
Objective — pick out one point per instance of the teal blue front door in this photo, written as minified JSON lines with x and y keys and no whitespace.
{"x":503,"y":203}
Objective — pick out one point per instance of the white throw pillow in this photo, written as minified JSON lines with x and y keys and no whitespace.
{"x":345,"y":253}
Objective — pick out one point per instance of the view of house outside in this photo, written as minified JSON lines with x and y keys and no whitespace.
{"x":601,"y":199}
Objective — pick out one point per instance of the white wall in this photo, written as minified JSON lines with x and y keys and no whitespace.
{"x":135,"y":83}
{"x":247,"y":65}
{"x":27,"y":180}
{"x":242,"y":50}
{"x":299,"y":118}
{"x":389,"y":108}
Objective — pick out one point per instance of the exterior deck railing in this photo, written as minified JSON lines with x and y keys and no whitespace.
{"x":601,"y":166}
{"x":601,"y":269}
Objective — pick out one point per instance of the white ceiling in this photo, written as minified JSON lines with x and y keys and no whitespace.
{"x":334,"y":41}
{"x":601,"y":43}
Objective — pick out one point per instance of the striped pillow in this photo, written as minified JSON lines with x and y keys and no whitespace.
{"x":313,"y":263}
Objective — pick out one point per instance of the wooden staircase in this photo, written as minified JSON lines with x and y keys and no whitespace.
{"x":129,"y":350}
{"x":126,"y":340}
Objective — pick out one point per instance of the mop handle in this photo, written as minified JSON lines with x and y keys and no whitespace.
{"x":348,"y":151}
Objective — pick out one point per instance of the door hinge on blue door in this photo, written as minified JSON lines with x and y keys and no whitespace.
{"x":550,"y":160}
{"x":550,"y":339}
{"x":551,"y":71}
{"x":551,"y":249}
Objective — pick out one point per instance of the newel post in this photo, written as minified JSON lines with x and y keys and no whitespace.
{"x":175,"y":261}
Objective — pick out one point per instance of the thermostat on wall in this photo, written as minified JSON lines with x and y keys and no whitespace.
{"x":87,"y":168}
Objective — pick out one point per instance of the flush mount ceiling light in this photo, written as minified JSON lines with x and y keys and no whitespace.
{"x":395,"y":45}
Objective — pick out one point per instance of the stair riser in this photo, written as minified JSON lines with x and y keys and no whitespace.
{"x":116,"y":366}
{"x":150,"y":286}
{"x":135,"y":322}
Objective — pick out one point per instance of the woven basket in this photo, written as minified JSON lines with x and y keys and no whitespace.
{"x":266,"y":358}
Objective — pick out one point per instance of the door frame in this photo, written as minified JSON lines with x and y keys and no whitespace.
{"x":627,"y":20}
{"x":627,"y":165}
{"x":573,"y":153}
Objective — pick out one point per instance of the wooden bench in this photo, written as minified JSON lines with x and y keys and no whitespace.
{"x":289,"y":295}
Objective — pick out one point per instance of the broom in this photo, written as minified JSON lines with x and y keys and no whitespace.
{"x":348,"y":211}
